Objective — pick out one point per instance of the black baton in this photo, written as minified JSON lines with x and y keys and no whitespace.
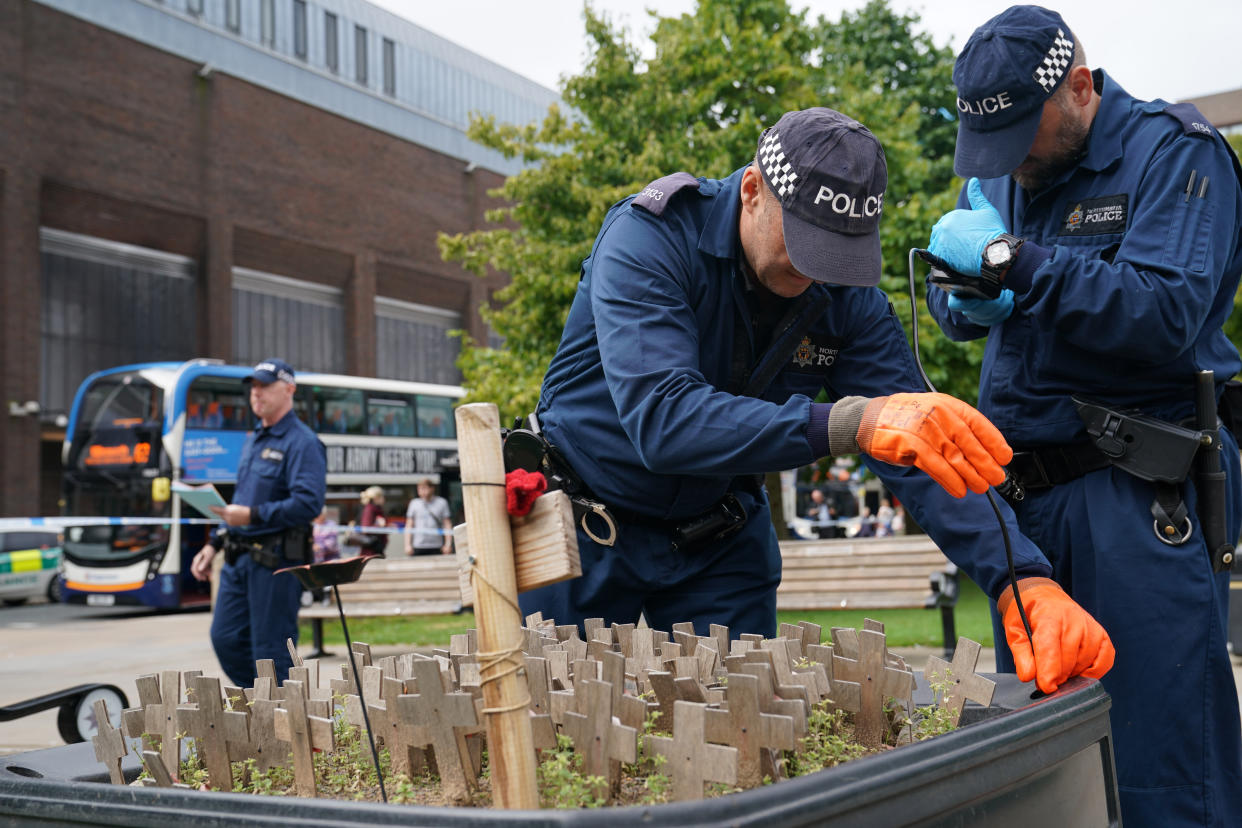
{"x":1209,"y":479}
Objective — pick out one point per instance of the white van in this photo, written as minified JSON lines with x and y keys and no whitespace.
{"x":29,"y":565}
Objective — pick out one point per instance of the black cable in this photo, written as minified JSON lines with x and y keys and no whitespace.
{"x":918,"y":360}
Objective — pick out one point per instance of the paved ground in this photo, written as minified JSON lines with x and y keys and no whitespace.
{"x":46,"y":647}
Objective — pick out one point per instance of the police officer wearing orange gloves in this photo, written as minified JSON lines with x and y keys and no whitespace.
{"x":709,"y":316}
{"x":1113,"y":226}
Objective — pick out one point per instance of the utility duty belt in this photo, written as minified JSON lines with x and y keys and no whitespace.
{"x":1159,"y":452}
{"x":270,"y":551}
{"x":525,"y":447}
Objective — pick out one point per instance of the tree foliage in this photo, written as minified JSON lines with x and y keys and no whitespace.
{"x":716,"y":78}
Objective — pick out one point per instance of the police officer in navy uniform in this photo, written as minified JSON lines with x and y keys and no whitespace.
{"x":1113,"y":225}
{"x":708,"y":317}
{"x":280,"y":490}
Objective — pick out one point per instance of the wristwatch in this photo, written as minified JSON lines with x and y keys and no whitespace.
{"x":998,"y":255}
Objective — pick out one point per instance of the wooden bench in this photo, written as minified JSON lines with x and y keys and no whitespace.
{"x":907,"y":571}
{"x":424,"y":585}
{"x":902,"y":572}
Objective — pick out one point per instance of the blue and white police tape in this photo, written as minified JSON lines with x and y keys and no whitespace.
{"x":59,"y":523}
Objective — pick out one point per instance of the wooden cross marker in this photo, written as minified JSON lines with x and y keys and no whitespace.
{"x":708,"y":658}
{"x":134,"y":720}
{"x":558,"y":668}
{"x":791,"y":631}
{"x":780,"y":681}
{"x":589,"y":626}
{"x":602,"y":742}
{"x":877,"y":682}
{"x":305,"y":734}
{"x":293,"y":652}
{"x":643,"y":655}
{"x":720,"y":634}
{"x":812,"y":634}
{"x":439,"y":713}
{"x":769,"y":702}
{"x":662,"y":684}
{"x":542,"y":729}
{"x":159,"y":771}
{"x":401,"y":737}
{"x":314,"y":706}
{"x":622,"y":634}
{"x":842,"y":694}
{"x":109,"y":743}
{"x":683,"y":634}
{"x":782,"y":668}
{"x":205,"y":722}
{"x":690,"y":760}
{"x":265,"y":668}
{"x":612,"y":670}
{"x":744,"y":727}
{"x":963,"y":682}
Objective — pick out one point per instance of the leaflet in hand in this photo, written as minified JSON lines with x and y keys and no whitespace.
{"x":202,"y":497}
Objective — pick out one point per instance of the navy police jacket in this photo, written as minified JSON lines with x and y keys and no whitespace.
{"x":641,"y":397}
{"x":281,"y":477}
{"x":1126,"y":274}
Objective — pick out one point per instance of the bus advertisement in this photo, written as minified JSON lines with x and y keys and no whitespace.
{"x":135,"y":429}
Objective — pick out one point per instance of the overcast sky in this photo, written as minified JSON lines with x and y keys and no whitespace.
{"x":1172,"y":49}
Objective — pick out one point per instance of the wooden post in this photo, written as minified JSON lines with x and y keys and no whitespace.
{"x":510,"y":743}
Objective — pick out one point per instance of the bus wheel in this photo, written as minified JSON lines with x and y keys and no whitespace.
{"x":53,"y":590}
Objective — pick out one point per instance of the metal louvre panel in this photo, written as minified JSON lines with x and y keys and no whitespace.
{"x":417,"y":347}
{"x":106,"y":304}
{"x":274,"y":316}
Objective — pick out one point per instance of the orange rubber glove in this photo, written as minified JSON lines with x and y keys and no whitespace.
{"x":1068,"y":641}
{"x":957,"y":446}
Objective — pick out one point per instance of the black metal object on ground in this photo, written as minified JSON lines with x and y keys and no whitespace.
{"x":75,"y":705}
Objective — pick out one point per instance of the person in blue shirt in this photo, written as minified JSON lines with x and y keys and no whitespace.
{"x":280,"y":489}
{"x":1113,"y":226}
{"x":708,"y":317}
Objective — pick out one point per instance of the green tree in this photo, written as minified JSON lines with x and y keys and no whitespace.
{"x":717,"y":77}
{"x":1233,"y":325}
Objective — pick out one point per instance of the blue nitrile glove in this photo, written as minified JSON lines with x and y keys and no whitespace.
{"x":985,"y":312}
{"x":960,"y":235}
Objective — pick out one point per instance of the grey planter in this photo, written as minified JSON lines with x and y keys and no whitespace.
{"x":1017,"y":763}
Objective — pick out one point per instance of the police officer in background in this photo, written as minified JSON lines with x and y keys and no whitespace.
{"x":280,"y":490}
{"x":709,"y":315}
{"x":1113,"y":225}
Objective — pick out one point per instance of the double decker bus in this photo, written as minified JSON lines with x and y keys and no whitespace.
{"x":135,"y":429}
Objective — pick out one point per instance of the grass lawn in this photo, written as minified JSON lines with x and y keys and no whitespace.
{"x":905,"y":628}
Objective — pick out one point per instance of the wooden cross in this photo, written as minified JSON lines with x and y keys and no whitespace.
{"x":308,"y":682}
{"x":783,"y":672}
{"x":743,"y":726}
{"x":845,"y":695}
{"x":769,"y":702}
{"x":720,"y":634}
{"x":780,"y":677}
{"x":708,"y":658}
{"x":542,"y":729}
{"x":269,"y":752}
{"x":305,"y":734}
{"x":877,"y":682}
{"x":683,"y":634}
{"x":109,"y":743}
{"x":402,"y":738}
{"x":159,"y":771}
{"x":205,"y":722}
{"x":439,"y":713}
{"x":603,"y":742}
{"x":589,"y":626}
{"x":622,"y":634}
{"x":134,"y":721}
{"x":963,"y":682}
{"x":665,"y":689}
{"x":690,"y":760}
{"x":265,"y":668}
{"x":642,"y":658}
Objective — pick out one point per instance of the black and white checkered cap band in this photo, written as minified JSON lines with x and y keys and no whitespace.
{"x":1048,"y":74}
{"x":776,"y":167}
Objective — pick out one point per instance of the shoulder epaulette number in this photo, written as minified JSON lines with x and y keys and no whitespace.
{"x":655,"y":196}
{"x":1191,"y":119}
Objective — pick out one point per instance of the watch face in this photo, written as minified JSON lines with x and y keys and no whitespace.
{"x":997,"y":253}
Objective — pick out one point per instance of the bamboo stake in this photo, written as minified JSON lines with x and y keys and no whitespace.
{"x":510,"y":743}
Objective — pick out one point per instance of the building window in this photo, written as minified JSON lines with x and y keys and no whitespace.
{"x":232,"y":15}
{"x":195,"y":7}
{"x":299,"y":29}
{"x":390,"y":68}
{"x":267,"y":23}
{"x":330,"y":41}
{"x":360,"y":55}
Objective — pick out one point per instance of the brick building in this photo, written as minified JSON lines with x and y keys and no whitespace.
{"x":230,"y":179}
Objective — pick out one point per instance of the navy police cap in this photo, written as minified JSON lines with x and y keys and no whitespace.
{"x":828,"y":172}
{"x":270,"y":370}
{"x":1007,"y":71}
